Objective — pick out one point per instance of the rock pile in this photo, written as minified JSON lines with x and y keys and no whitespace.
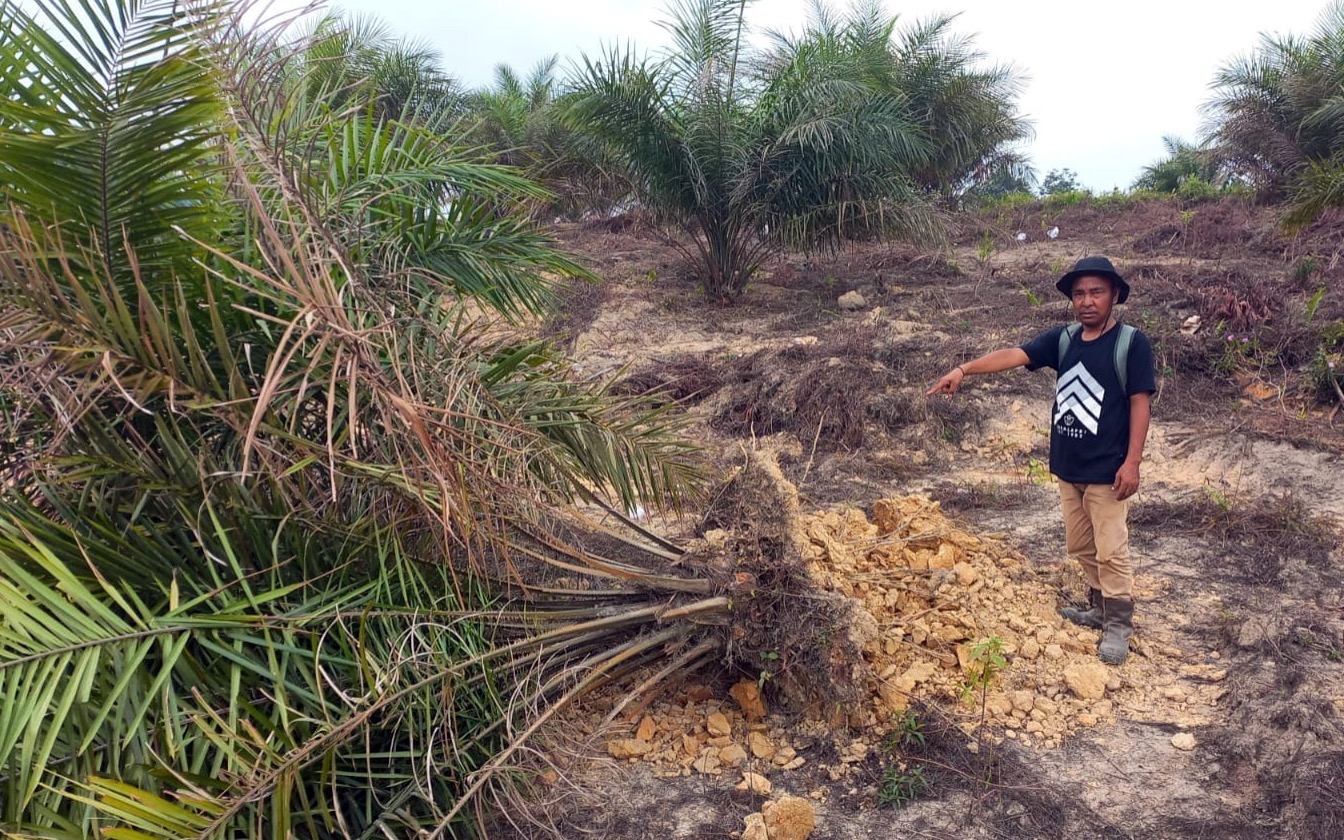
{"x":924,"y":595}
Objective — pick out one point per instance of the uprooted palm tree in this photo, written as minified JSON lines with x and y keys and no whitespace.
{"x":750,"y":164}
{"x":290,"y":545}
{"x":1277,"y":117}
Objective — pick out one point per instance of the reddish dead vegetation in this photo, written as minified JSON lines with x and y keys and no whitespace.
{"x":686,"y":380}
{"x":837,"y":393}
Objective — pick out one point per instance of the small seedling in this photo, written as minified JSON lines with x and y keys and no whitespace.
{"x":983,"y":666}
{"x":1219,"y":499}
{"x":767,"y":659}
{"x":901,"y":787}
{"x":907,"y":733}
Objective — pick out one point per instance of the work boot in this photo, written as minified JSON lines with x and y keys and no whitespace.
{"x":1090,"y":617}
{"x":1118,"y":624}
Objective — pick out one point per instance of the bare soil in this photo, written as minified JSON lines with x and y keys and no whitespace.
{"x":1236,"y":532}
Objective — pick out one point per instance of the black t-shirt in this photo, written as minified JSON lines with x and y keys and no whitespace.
{"x":1089,"y":423}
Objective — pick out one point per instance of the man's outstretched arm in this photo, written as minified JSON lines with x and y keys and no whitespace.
{"x":995,"y":362}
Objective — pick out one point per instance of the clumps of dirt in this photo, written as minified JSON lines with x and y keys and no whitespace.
{"x":823,"y":399}
{"x":936,"y":592}
{"x":841,"y":394}
{"x":1320,"y":796}
{"x":751,"y":532}
{"x":1212,"y":230}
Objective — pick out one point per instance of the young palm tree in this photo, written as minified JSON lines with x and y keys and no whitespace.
{"x":1183,"y":161}
{"x":357,"y":59}
{"x":966,"y":111}
{"x":1277,"y":115}
{"x":525,"y":123}
{"x":749,"y":164}
{"x":290,"y":549}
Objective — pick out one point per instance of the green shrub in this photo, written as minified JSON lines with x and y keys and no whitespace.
{"x":1196,"y":189}
{"x":1304,"y":267}
{"x":1013,"y":200}
{"x":900,"y":787}
{"x":1327,"y":368}
{"x":1068,"y":198}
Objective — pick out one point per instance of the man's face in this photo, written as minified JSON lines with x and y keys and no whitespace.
{"x":1093,"y":298}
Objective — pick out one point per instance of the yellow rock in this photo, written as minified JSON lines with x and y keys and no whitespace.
{"x":947,"y":557}
{"x":628,"y":748}
{"x":647,"y":729}
{"x":886,"y":515}
{"x":966,"y":573}
{"x":1087,"y":680}
{"x":732,"y":755}
{"x":755,"y":828}
{"x":708,"y":762}
{"x":689,"y":745}
{"x":760,"y":746}
{"x":789,"y":818}
{"x":717,"y":724}
{"x":756,"y":783}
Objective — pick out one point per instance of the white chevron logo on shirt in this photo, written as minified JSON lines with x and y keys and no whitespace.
{"x":1079,"y":394}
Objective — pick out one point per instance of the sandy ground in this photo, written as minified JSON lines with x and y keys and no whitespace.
{"x":1236,"y":535}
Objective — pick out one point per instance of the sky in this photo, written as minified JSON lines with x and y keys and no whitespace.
{"x":1106,"y":81}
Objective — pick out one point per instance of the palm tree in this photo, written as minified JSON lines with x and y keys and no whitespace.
{"x":357,"y":59}
{"x":1183,"y":162}
{"x":966,"y":111}
{"x":291,"y":549}
{"x":525,"y":122}
{"x":745,"y":163}
{"x":1277,"y":116}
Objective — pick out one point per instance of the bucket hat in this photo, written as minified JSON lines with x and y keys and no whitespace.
{"x":1096,"y":266}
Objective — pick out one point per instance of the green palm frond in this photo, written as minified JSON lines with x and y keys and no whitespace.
{"x":300,"y":548}
{"x":109,"y":116}
{"x":1276,"y":115}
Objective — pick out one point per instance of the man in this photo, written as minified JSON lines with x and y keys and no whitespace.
{"x":1099,"y":424}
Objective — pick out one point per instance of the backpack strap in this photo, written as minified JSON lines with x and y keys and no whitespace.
{"x":1065,"y":338}
{"x":1122,"y":342}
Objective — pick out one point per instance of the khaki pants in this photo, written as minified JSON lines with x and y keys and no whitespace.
{"x":1097,"y":536}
